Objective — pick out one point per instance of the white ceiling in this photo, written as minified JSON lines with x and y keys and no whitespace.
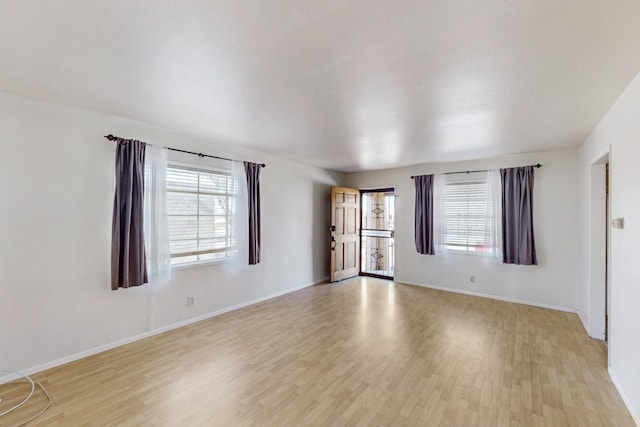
{"x":347,"y":85}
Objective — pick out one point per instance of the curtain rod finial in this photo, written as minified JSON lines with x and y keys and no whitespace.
{"x":110,"y":137}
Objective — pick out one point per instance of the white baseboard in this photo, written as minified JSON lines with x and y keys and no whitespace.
{"x":614,"y":380}
{"x":584,"y":322}
{"x":109,"y":346}
{"x":496,"y":297}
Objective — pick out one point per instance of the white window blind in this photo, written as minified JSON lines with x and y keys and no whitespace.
{"x":200,"y":205}
{"x":467,"y":215}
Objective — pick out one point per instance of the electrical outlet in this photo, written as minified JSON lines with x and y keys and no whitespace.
{"x":472,"y":279}
{"x":191,"y":301}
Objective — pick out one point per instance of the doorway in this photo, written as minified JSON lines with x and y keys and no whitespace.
{"x":599,"y":273}
{"x":377,"y":239}
{"x":607,"y":268}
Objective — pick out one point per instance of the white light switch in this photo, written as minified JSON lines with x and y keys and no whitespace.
{"x":617,"y":222}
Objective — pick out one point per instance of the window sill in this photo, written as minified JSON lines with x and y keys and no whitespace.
{"x":198,"y":264}
{"x":460,"y":252}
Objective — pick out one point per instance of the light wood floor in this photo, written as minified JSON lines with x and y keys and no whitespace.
{"x":362,"y":352}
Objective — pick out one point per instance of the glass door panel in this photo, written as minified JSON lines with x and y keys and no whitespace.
{"x":377,"y":233}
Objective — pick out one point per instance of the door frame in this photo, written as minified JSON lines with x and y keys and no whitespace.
{"x":376,"y":190}
{"x":599,"y":248}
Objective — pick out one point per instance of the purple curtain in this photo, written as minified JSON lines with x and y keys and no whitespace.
{"x":518,"y":244}
{"x":252,"y":171}
{"x":128,"y":261}
{"x":424,"y":214}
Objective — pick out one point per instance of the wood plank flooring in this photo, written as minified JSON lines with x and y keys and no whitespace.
{"x":358,"y":353}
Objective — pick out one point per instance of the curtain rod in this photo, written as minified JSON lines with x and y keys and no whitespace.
{"x":113,"y":138}
{"x":483,"y":170}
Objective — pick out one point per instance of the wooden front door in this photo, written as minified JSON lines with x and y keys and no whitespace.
{"x":345,"y":233}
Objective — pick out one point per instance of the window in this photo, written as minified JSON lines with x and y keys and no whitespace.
{"x":467,"y":214}
{"x":200,"y":206}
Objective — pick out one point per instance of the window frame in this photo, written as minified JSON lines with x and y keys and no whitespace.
{"x":472,"y":178}
{"x":228,"y":250}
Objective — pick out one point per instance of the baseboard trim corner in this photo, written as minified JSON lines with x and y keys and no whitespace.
{"x":584,"y":322}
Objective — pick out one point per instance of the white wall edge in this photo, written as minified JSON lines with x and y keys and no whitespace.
{"x":481,"y":295}
{"x":614,"y":380}
{"x":119,"y":343}
{"x":585,"y":325}
{"x":606,"y":151}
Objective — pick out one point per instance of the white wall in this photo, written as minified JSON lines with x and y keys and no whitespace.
{"x":553,"y":283}
{"x":55,"y":224}
{"x":618,"y":133}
